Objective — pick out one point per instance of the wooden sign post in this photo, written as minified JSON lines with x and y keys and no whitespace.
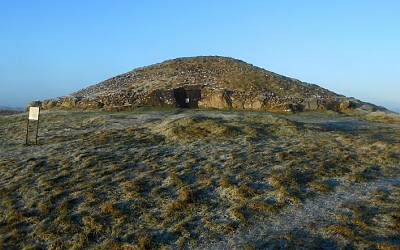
{"x":34,"y":113}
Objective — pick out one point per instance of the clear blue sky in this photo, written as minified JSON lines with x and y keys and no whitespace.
{"x":53,"y":48}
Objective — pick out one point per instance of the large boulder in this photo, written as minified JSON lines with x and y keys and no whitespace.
{"x":51,"y":103}
{"x":311,"y":104}
{"x":160,"y":98}
{"x":69,"y":102}
{"x":33,"y":104}
{"x":346,"y":105}
{"x":89,"y":103}
{"x":215,"y":98}
{"x":253,"y":102}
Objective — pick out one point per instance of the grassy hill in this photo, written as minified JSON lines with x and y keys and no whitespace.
{"x":223,"y":72}
{"x":10,"y":111}
{"x":206,"y":179}
{"x":207,"y":82}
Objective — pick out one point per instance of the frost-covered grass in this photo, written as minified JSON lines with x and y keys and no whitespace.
{"x":171,"y":178}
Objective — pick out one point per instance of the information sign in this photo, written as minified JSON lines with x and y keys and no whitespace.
{"x":34,"y":113}
{"x":33,"y":116}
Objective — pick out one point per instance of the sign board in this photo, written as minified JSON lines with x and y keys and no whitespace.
{"x":34,"y":113}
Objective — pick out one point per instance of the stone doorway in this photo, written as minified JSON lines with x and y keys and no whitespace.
{"x":187,"y":97}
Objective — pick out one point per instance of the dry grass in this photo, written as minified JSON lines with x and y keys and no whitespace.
{"x":384,"y":117}
{"x":168,"y":179}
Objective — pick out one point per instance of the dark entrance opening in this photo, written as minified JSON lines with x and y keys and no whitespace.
{"x":187,"y":98}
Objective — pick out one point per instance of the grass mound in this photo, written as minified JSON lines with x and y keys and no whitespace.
{"x":198,"y":127}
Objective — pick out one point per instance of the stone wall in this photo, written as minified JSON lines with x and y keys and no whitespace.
{"x":210,"y":97}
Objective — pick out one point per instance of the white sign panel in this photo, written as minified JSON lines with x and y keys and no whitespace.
{"x":33,"y":113}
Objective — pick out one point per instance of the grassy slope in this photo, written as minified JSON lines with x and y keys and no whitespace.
{"x":176,"y":178}
{"x":223,"y":72}
{"x":4,"y":112}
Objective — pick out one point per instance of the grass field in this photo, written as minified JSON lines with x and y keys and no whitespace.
{"x":206,"y":179}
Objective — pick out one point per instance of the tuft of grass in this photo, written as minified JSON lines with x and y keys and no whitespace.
{"x":92,"y":223}
{"x":360,"y":223}
{"x":207,"y":182}
{"x":175,"y":207}
{"x":111,"y":244}
{"x":248,"y":192}
{"x":356,"y":208}
{"x":395,"y":219}
{"x":224,"y":182}
{"x":186,"y":195}
{"x":237,"y":214}
{"x":263,"y":207}
{"x":343,"y":230}
{"x":134,"y":188}
{"x":387,"y":246}
{"x":144,"y":241}
{"x":320,"y":187}
{"x":173,"y":179}
{"x":109,"y":207}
